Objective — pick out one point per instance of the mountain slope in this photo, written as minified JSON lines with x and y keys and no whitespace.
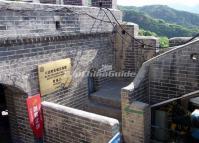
{"x":171,"y":15}
{"x":159,"y":26}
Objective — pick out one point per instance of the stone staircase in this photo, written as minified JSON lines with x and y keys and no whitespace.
{"x":97,"y":107}
{"x":107,"y":100}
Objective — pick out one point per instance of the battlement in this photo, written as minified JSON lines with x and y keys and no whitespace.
{"x":94,"y":3}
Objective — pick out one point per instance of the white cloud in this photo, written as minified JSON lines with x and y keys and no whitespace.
{"x":189,"y":3}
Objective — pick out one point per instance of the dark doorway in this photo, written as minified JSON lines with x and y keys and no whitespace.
{"x":92,"y":82}
{"x":4,"y":118}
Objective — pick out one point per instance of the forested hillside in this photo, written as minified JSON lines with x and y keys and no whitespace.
{"x":162,"y":20}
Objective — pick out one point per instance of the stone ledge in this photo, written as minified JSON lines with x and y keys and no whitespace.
{"x":146,"y":38}
{"x":18,"y":6}
{"x":46,"y":38}
{"x":82,"y":114}
{"x":180,"y":38}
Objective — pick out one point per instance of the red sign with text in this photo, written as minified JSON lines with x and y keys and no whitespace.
{"x":35,"y":115}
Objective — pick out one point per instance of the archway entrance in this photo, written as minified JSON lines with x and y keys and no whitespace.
{"x":92,"y":82}
{"x":5,"y":136}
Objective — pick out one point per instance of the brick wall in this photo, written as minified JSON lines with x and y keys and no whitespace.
{"x":18,"y":117}
{"x":19,"y":66}
{"x":174,"y":73}
{"x":143,"y":53}
{"x":28,"y":37}
{"x":163,"y":50}
{"x":123,"y":47}
{"x":64,"y":124}
{"x":105,"y":3}
{"x":50,"y":1}
{"x":175,"y":41}
{"x":72,"y":2}
{"x":95,"y":3}
{"x":169,"y":75}
{"x":22,"y":50}
{"x":136,"y":121}
{"x":139,"y":88}
{"x":28,"y":19}
{"x":130,"y":54}
{"x":86,"y":52}
{"x":65,"y":2}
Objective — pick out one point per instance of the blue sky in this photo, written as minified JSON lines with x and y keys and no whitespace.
{"x":188,"y":5}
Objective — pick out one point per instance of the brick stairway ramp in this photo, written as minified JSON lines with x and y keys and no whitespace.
{"x":107,"y":100}
{"x":104,"y":110}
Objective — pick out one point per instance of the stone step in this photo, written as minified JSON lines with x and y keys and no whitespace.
{"x":103,"y":110}
{"x":107,"y":101}
{"x":109,"y":94}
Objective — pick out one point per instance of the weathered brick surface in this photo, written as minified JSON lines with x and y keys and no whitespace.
{"x":18,"y":117}
{"x":28,"y":37}
{"x":141,"y":90}
{"x":174,"y":73}
{"x":72,"y":2}
{"x":85,"y":51}
{"x":50,"y":1}
{"x":105,"y":3}
{"x":19,"y":68}
{"x":169,"y":75}
{"x":19,"y":60}
{"x":66,"y":125}
{"x":65,"y":2}
{"x":136,"y":121}
{"x":130,"y":53}
{"x":24,"y":19}
{"x":163,"y":50}
{"x":175,"y":41}
{"x":20,"y":56}
{"x":143,"y":53}
{"x":32,"y":34}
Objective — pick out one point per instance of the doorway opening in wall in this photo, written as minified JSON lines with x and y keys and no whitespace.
{"x":5,"y":136}
{"x":91,"y":82}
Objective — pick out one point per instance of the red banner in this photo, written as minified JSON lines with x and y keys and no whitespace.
{"x":35,"y":115}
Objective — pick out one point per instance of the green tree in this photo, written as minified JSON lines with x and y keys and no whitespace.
{"x":143,"y":32}
{"x":164,"y":42}
{"x":160,"y":26}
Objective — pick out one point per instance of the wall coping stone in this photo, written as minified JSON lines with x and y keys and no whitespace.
{"x":124,"y":23}
{"x":180,"y":38}
{"x":15,"y":5}
{"x":146,"y":38}
{"x":7,"y":41}
{"x":84,"y":114}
